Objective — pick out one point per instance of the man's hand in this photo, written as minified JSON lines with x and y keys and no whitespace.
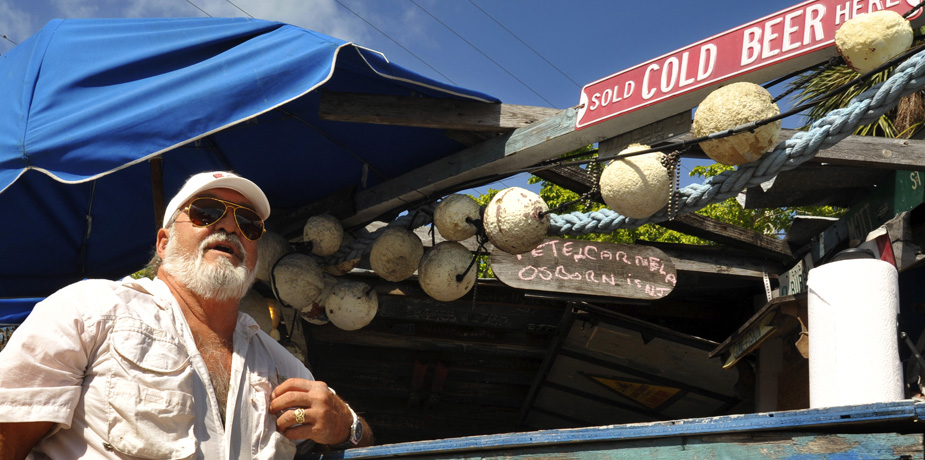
{"x":327,"y":418}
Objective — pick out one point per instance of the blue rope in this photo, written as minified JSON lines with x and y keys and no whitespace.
{"x":825,"y":132}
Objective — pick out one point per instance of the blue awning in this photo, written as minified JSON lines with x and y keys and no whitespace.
{"x":87,"y":102}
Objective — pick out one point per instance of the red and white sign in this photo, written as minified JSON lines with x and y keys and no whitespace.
{"x":787,"y":34}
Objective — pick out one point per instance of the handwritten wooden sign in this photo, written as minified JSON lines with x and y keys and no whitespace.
{"x":586,"y":267}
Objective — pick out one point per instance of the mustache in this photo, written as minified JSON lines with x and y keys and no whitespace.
{"x":222,"y":237}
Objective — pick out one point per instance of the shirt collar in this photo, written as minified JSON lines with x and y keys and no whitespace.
{"x":247,"y":326}
{"x":163,"y":298}
{"x":156,"y":288}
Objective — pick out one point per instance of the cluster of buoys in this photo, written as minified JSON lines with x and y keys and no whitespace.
{"x":314,"y":290}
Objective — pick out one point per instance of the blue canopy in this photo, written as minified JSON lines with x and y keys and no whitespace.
{"x":86,"y":103}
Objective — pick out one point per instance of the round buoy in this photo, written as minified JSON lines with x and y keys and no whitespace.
{"x":636,"y":186}
{"x":455,"y":217}
{"x":440,"y":269}
{"x":870,"y":40}
{"x":516,"y":221}
{"x":270,"y":248}
{"x":732,"y":106}
{"x":298,"y":281}
{"x":351,"y":305}
{"x":395,"y":254}
{"x":325,"y":232}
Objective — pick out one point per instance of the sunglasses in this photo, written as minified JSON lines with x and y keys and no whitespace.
{"x":205,"y":211}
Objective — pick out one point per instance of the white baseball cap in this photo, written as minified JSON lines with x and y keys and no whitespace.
{"x":201,"y":182}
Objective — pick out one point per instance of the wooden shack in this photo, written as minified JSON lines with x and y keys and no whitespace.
{"x":716,"y":367}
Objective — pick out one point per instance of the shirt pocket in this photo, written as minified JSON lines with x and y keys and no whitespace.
{"x":151,"y":411}
{"x":268,"y":443}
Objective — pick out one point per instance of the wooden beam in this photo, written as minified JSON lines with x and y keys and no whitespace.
{"x":483,"y":163}
{"x":854,"y":150}
{"x":876,"y":152}
{"x":717,"y":260}
{"x":730,"y":235}
{"x":290,"y":222}
{"x":452,"y":114}
{"x":649,"y":134}
{"x":817,"y":185}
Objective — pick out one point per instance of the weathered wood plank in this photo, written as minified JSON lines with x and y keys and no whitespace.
{"x":718,"y":261}
{"x":452,"y":114}
{"x":489,"y":160}
{"x":725,"y":430}
{"x":876,"y":152}
{"x":290,"y":222}
{"x":816,"y":185}
{"x":467,"y":313}
{"x":587,"y":267}
{"x":730,"y":235}
{"x":649,"y":134}
{"x":854,"y":150}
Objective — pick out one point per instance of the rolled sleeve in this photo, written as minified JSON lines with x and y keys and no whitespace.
{"x":42,"y":367}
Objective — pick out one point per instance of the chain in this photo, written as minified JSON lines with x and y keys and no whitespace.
{"x":594,"y":175}
{"x":593,"y":171}
{"x":672,"y":162}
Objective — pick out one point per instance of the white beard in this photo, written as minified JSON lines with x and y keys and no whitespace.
{"x":220,"y":280}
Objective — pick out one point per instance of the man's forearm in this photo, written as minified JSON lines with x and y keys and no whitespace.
{"x":18,"y":439}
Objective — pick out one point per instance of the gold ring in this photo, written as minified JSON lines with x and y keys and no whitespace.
{"x":299,"y":416}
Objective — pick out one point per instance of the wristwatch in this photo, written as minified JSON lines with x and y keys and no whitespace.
{"x":356,"y":431}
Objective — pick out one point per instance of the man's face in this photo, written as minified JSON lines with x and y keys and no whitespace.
{"x":215,"y":262}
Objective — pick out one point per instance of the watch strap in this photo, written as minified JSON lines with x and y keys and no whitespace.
{"x":356,"y":431}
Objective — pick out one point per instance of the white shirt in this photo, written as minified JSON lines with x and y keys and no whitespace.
{"x":114,"y":364}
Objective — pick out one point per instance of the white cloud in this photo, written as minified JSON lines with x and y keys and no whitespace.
{"x":325,"y":16}
{"x":16,"y":24}
{"x":396,"y":20}
{"x":77,"y":8}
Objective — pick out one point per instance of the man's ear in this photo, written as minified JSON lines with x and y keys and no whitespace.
{"x":161,"y":245}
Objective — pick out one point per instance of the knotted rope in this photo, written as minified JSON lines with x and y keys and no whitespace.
{"x":826,"y":132}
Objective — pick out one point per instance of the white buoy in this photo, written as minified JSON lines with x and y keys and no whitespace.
{"x":325,"y":232}
{"x":870,"y":40}
{"x":516,"y":221}
{"x":636,"y":186}
{"x":316,"y":313}
{"x":351,"y":305}
{"x":455,"y":215}
{"x":270,"y":248}
{"x":440,"y":268}
{"x":298,"y":281}
{"x":732,"y":106}
{"x":395,"y":254}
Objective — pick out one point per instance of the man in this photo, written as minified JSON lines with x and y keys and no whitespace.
{"x":168,"y":368}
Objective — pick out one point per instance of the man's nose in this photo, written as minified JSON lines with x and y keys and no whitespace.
{"x":227,"y":222}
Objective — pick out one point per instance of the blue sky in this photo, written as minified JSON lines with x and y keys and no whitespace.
{"x":527,"y":52}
